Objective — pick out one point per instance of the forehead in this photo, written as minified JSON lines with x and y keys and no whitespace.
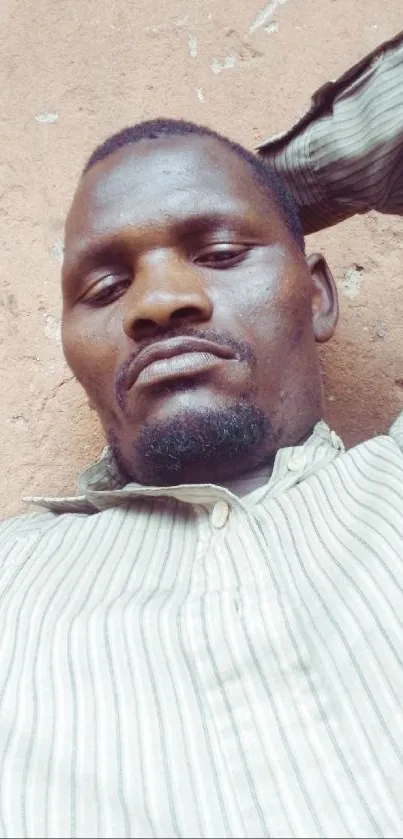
{"x":155,"y":182}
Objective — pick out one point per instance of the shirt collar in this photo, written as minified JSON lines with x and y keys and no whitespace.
{"x":102,"y":485}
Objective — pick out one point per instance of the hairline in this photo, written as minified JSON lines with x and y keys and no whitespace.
{"x":271,"y":186}
{"x":267,"y":191}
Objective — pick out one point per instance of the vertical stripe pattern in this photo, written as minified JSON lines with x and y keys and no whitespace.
{"x":170,"y":672}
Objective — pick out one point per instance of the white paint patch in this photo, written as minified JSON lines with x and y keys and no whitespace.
{"x":380,"y":329}
{"x":46,"y":117}
{"x":57,"y":251}
{"x":271,"y":27}
{"x":192,"y":44}
{"x":351,"y":285}
{"x":18,"y":420}
{"x":181,"y":21}
{"x":200,"y":94}
{"x":52,"y":329}
{"x":218,"y":66}
{"x":263,"y":16}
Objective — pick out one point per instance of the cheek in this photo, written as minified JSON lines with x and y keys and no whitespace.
{"x":275,"y":311}
{"x":276,"y":320}
{"x":91,"y":350}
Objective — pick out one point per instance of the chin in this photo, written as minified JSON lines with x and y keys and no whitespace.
{"x":201,"y":446}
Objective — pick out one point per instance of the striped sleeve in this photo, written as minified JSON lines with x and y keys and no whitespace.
{"x":345,"y":156}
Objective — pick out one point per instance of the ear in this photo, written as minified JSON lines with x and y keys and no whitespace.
{"x":325,"y":306}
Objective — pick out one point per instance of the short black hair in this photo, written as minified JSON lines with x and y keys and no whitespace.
{"x":155,"y":129}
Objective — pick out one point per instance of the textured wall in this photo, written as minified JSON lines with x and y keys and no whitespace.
{"x":70,"y":73}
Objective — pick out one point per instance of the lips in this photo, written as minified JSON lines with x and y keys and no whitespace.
{"x":174,"y":358}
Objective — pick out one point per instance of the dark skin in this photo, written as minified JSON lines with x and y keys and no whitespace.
{"x":169,"y":239}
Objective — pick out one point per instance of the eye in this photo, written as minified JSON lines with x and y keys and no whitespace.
{"x":223,"y":255}
{"x":107,"y":289}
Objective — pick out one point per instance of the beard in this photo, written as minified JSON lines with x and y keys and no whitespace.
{"x":199,"y":447}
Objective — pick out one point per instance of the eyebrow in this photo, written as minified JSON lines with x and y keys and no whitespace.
{"x":108,"y":249}
{"x":111,"y":246}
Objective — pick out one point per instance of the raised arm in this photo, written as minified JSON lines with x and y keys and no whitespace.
{"x":345,"y":156}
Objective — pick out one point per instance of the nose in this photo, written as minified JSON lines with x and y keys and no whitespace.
{"x":167,"y":292}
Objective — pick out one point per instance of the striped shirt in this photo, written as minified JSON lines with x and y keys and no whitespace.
{"x":205,"y":661}
{"x":345,"y":156}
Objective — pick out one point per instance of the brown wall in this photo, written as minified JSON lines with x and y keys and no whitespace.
{"x":72,"y":71}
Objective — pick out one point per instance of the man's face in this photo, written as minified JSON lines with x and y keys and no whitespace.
{"x":190,"y":315}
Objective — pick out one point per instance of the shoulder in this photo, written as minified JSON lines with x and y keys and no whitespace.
{"x":24,"y":530}
{"x":25,"y":525}
{"x":20,"y":536}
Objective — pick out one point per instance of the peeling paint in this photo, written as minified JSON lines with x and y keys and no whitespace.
{"x":271,"y":27}
{"x":264,"y":14}
{"x":218,"y":66}
{"x":52,"y":329}
{"x":57,"y":251}
{"x":200,"y":94}
{"x":19,"y":421}
{"x":47,"y":117}
{"x":192,"y":44}
{"x":351,"y":285}
{"x":181,"y":21}
{"x":380,"y":329}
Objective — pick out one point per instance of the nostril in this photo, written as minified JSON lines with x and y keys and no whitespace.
{"x":186,"y":313}
{"x":144,"y":327}
{"x":148,"y":326}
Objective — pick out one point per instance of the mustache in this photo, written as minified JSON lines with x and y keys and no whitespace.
{"x":241,"y":350}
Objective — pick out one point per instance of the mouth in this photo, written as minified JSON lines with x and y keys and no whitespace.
{"x":175,"y":358}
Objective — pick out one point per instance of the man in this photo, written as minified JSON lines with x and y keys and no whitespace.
{"x":206,"y":641}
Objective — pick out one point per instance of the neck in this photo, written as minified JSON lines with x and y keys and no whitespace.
{"x":249,"y":481}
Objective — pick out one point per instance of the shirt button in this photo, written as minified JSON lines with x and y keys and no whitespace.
{"x":297,"y":462}
{"x":219,"y":514}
